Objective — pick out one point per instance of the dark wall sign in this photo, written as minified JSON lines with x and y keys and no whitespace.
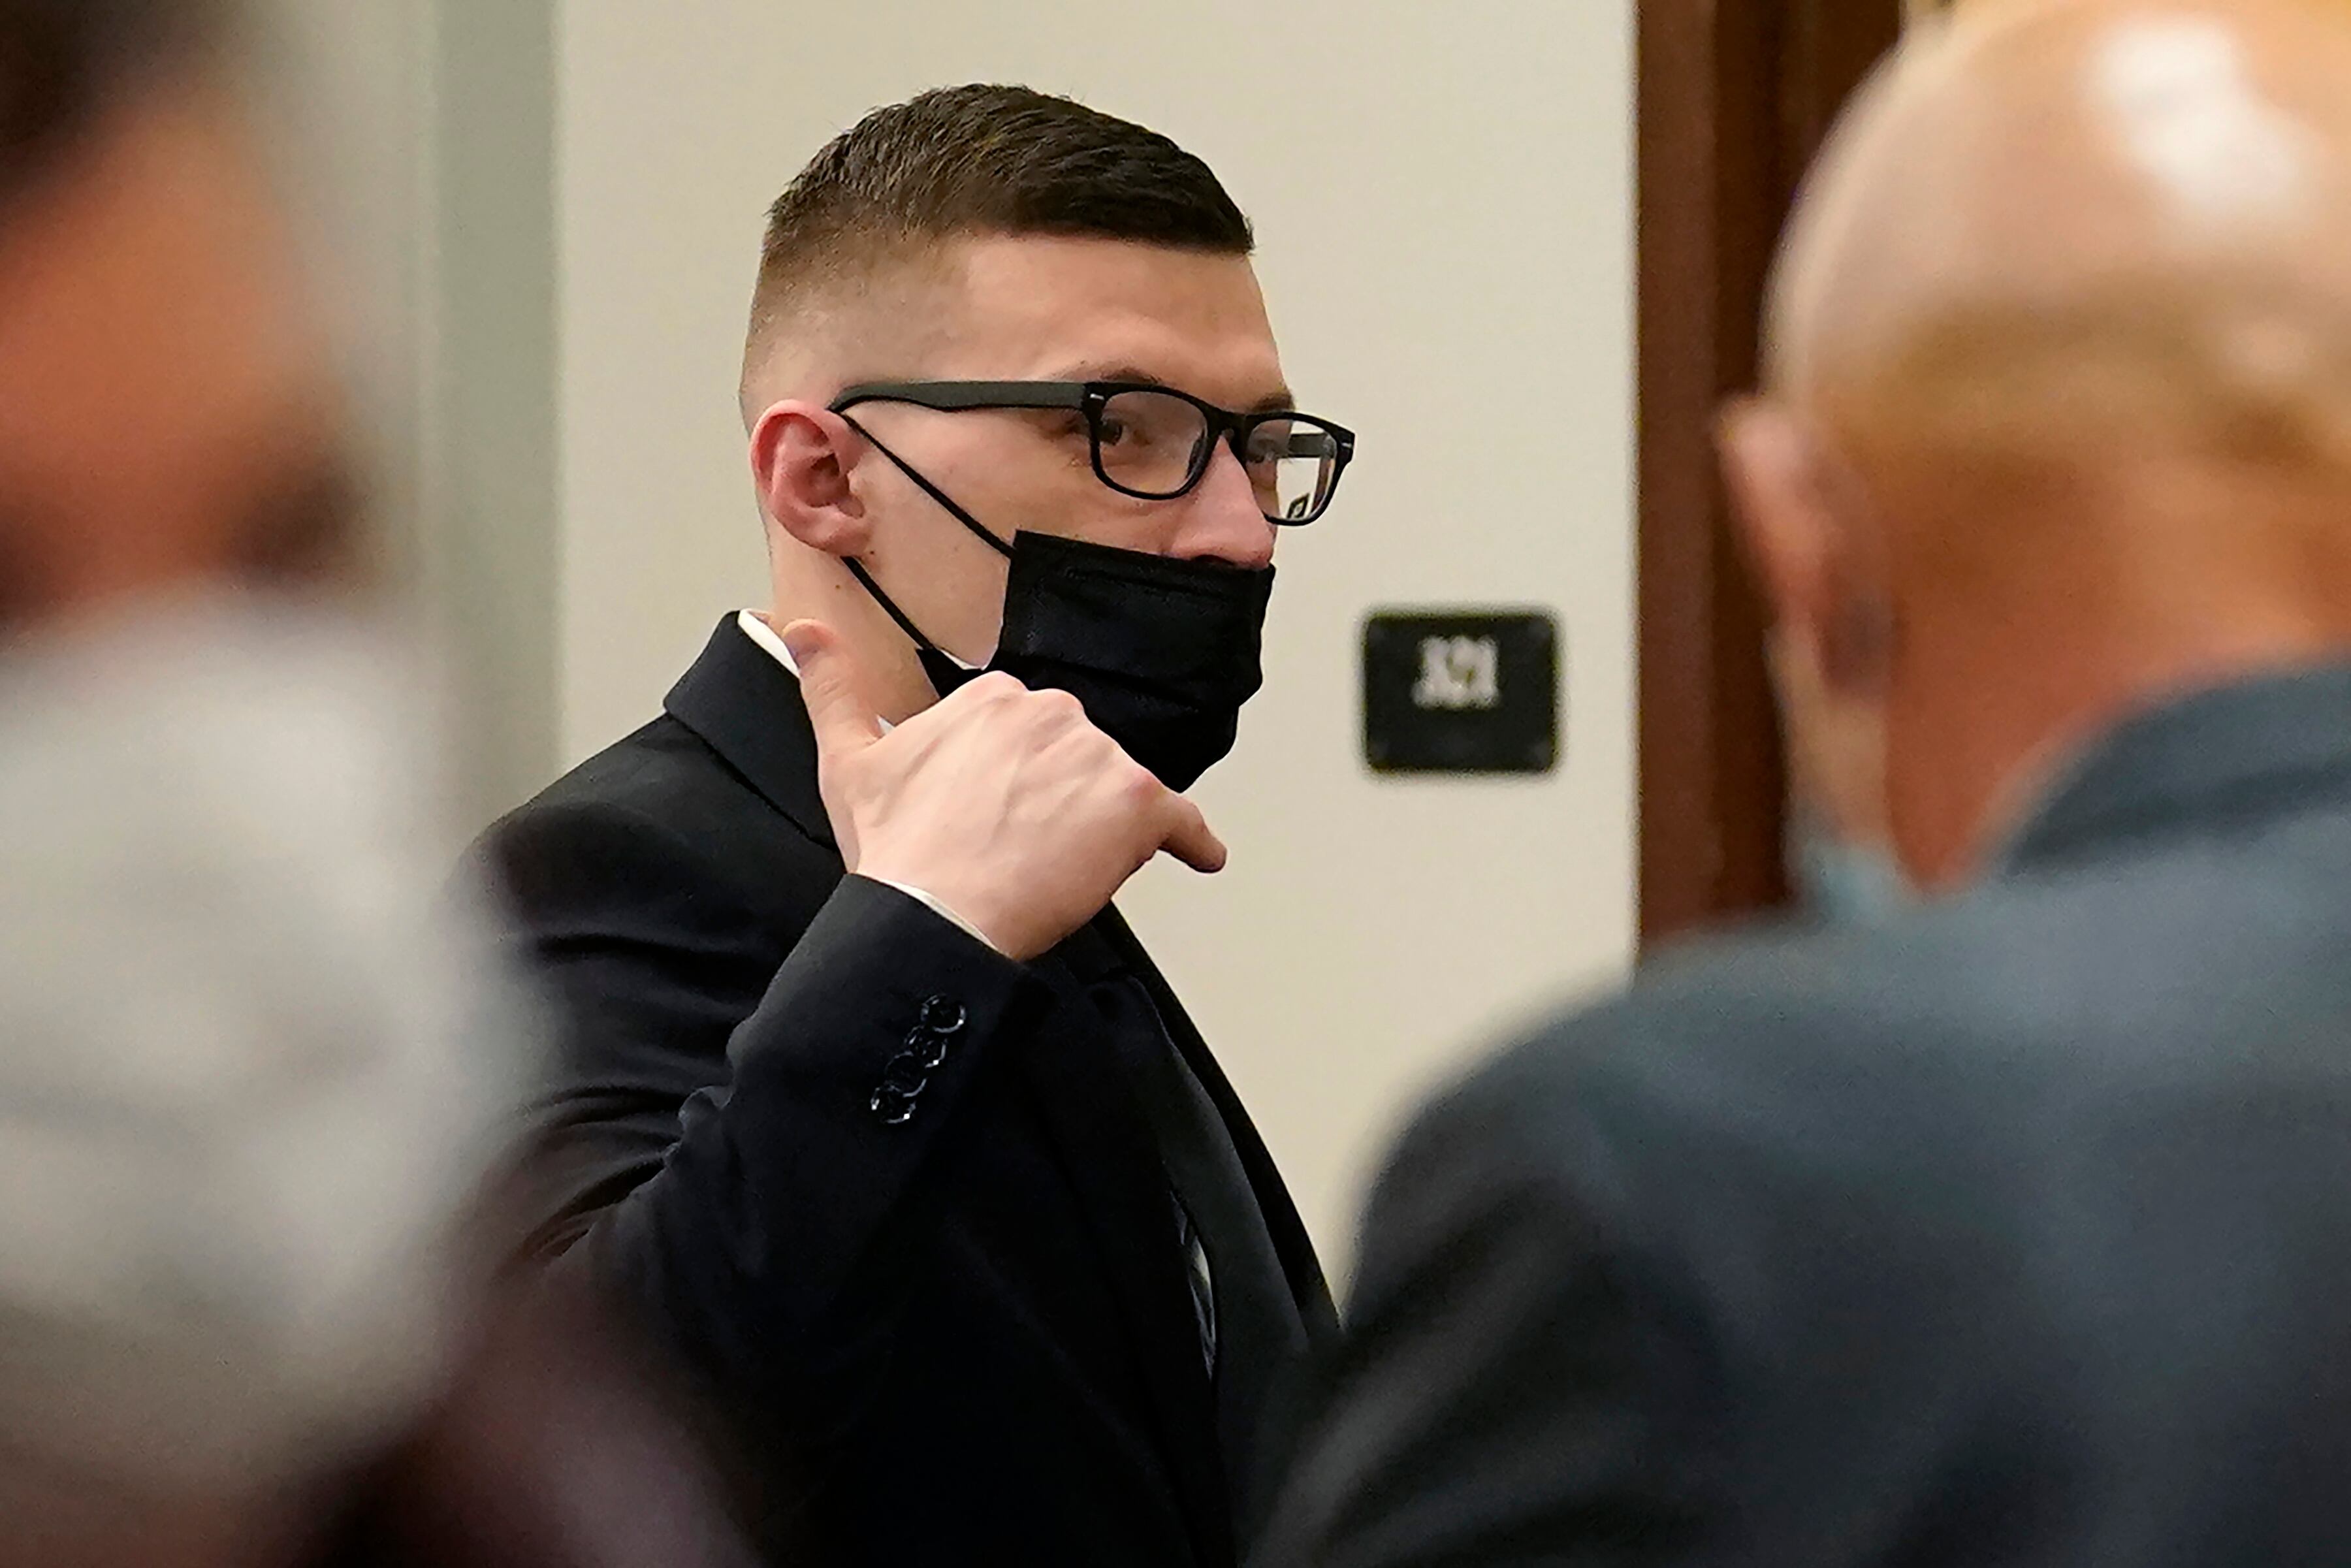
{"x":1461,"y":692}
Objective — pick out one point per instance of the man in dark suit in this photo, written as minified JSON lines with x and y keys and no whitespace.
{"x":922,"y":1167}
{"x":2011,"y":1226}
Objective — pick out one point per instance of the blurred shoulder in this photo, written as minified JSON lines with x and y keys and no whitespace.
{"x":1947,"y":1025}
{"x":1785,"y":1026}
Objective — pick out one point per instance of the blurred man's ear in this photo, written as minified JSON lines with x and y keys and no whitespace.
{"x":1779,"y":510}
{"x":1827,"y":646}
{"x":1816,"y":556}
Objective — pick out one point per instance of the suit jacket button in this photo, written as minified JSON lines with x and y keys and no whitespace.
{"x":944,"y":1015}
{"x":926,"y":1049}
{"x":905,"y":1075}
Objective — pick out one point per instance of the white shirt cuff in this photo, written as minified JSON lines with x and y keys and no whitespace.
{"x":938,"y":908}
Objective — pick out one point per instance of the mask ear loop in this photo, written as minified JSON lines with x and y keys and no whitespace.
{"x":933,"y":491}
{"x":865,"y":578}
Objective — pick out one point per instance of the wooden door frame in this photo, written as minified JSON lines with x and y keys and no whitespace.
{"x":1734,"y":98}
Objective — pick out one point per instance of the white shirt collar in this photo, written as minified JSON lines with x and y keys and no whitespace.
{"x":755,"y":626}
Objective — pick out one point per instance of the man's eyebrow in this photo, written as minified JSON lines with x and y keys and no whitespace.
{"x":1278,"y":399}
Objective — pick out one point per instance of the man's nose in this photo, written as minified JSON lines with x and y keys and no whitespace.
{"x":1225,"y":521}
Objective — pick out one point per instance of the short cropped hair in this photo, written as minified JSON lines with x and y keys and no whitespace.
{"x":973,"y":161}
{"x":60,"y":60}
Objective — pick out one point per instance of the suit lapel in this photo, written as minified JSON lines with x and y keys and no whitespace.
{"x":748,"y":708}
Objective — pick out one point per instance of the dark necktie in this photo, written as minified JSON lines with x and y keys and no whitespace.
{"x":1252,"y":1330}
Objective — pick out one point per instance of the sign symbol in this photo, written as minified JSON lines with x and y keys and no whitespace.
{"x":1458,"y":675}
{"x":1434,"y":700}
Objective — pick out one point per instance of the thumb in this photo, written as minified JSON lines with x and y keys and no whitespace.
{"x":845,"y":723}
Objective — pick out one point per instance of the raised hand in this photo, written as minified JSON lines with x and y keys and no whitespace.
{"x":1004,"y":804}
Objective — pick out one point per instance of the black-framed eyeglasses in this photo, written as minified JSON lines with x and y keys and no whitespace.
{"x":1156,"y":442}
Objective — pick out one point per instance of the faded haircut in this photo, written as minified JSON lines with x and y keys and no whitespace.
{"x":979,"y":160}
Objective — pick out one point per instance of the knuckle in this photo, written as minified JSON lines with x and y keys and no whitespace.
{"x":1058,"y":705}
{"x":1139,"y":784}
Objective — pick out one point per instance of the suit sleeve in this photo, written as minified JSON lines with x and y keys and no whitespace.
{"x":1510,"y":1385}
{"x":736,"y":1130}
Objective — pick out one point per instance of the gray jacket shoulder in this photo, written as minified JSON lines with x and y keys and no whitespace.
{"x":1983,"y":1028}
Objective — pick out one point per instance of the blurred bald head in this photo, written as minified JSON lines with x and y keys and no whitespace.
{"x":2058,"y":420}
{"x":2126,"y":217}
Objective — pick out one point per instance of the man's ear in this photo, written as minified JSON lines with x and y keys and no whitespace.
{"x":1778,"y":510}
{"x":802,"y":457}
{"x":1817,"y":557}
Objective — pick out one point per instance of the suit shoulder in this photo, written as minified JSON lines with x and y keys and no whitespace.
{"x":1938,"y":1023}
{"x":1786,"y":997}
{"x":1718,"y":1071}
{"x":658,"y":806}
{"x":650,"y":771}
{"x":1715,"y":990}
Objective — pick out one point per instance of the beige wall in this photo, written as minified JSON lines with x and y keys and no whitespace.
{"x":1442,"y":194}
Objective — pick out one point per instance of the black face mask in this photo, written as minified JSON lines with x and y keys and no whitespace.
{"x":1162,"y":653}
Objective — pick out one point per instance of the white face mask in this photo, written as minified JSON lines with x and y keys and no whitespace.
{"x":251,"y":1065}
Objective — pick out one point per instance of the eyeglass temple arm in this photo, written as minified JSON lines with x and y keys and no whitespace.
{"x":954,"y":396}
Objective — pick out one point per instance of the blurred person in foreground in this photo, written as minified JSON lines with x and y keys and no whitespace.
{"x":253,"y":1073}
{"x":2011,"y":1227}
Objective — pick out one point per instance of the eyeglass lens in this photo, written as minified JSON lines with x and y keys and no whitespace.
{"x":1154,"y":443}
